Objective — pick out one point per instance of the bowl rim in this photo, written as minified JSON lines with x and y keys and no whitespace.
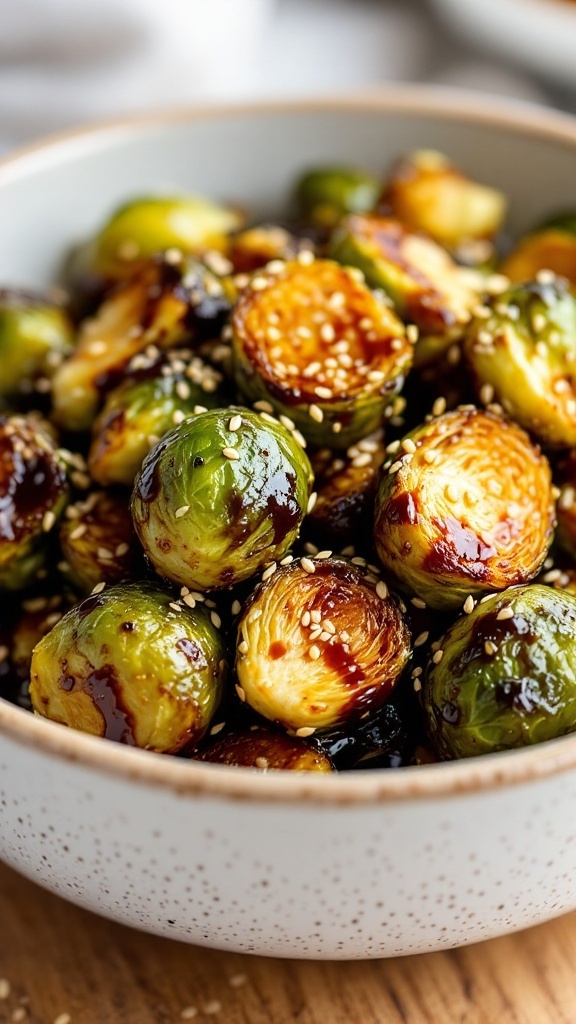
{"x":188,"y":778}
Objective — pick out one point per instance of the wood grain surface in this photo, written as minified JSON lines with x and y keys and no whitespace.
{"x":64,"y":965}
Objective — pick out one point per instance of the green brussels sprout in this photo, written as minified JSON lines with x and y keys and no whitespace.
{"x":35,"y":335}
{"x":320,"y":643}
{"x":98,"y":542}
{"x":131,"y":664}
{"x":266,"y":750}
{"x":345,"y":486}
{"x":37,"y":616}
{"x":549,"y":249}
{"x":466,"y":507}
{"x":33,"y":493}
{"x":314,"y":342}
{"x":507,"y":674}
{"x":522,"y":352}
{"x":220,"y":496}
{"x":254,"y":247}
{"x":326,"y":194}
{"x":154,"y":396}
{"x":169,"y":302}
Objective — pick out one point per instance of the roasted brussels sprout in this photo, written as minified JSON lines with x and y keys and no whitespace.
{"x":254,"y":247}
{"x":220,"y":496}
{"x":131,"y":664}
{"x":466,"y":507}
{"x":169,"y":302}
{"x":315,"y":342}
{"x":565,"y":535}
{"x":98,"y":542}
{"x":522,"y":351}
{"x":35,"y":335}
{"x":319,"y":643}
{"x":326,"y":194}
{"x":345,"y":486}
{"x":37,"y":616}
{"x":550,"y":249}
{"x":264,"y":749}
{"x":156,"y":395}
{"x":33,"y":493}
{"x":506,"y":676}
{"x":379,"y":741}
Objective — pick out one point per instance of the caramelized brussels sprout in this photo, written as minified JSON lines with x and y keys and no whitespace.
{"x":220,"y":496}
{"x":507,"y":674}
{"x":35,"y":335}
{"x":326,"y":194}
{"x":428,"y":193}
{"x":156,"y":395}
{"x":264,"y":749}
{"x":313,"y":341}
{"x":254,"y":247}
{"x":378,"y":741}
{"x":169,"y":302}
{"x":319,"y":643}
{"x":465,"y":508}
{"x":345,"y":487}
{"x":551,"y":248}
{"x":98,"y":542}
{"x":522,"y":352}
{"x":33,"y":493}
{"x":133,"y":665}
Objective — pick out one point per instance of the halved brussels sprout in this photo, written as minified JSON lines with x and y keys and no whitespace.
{"x":131,"y":664}
{"x":220,"y":496}
{"x":156,"y":395}
{"x":167,"y":303}
{"x":345,"y":486}
{"x":522,"y":351}
{"x":428,"y":193}
{"x":315,"y":342}
{"x":506,"y":676}
{"x":466,"y":507}
{"x":254,"y":247}
{"x":320,"y":642}
{"x":551,"y":248}
{"x":33,"y":493}
{"x":98,"y":541}
{"x":35,"y":336}
{"x":264,"y":749}
{"x":326,"y":194}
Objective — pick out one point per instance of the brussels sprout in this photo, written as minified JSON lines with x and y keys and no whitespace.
{"x":319,"y":643}
{"x":326,"y":194}
{"x":313,"y":341}
{"x":507,"y":674}
{"x":550,"y":248}
{"x":565,"y":535}
{"x":35,"y":335}
{"x":254,"y":247}
{"x":345,"y":488}
{"x":156,"y":395}
{"x":378,"y":741}
{"x":465,"y":508}
{"x":522,"y":352}
{"x":167,"y":303}
{"x":427,"y":193}
{"x":38,"y":615}
{"x":264,"y":749}
{"x":98,"y":542}
{"x":133,"y":665}
{"x":220,"y":496}
{"x":33,"y":492}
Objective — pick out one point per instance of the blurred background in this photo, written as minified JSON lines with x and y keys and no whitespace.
{"x":66,"y":62}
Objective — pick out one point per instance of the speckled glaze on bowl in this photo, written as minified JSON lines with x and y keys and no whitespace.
{"x":365,"y":864}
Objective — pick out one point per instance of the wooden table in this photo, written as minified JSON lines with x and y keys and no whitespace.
{"x":63,"y":964}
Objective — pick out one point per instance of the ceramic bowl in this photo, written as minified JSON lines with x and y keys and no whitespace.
{"x":365,"y":864}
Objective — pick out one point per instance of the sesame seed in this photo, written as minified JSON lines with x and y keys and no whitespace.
{"x":395,"y":467}
{"x":258,"y":284}
{"x":48,"y":520}
{"x":327,"y":332}
{"x":181,"y":511}
{"x":175,"y":606}
{"x":437,"y":657}
{"x":287,"y":422}
{"x":312,"y":501}
{"x":308,"y":565}
{"x":314,"y":652}
{"x":552,"y":576}
{"x":4,"y":988}
{"x":546,"y":277}
{"x":287,"y":560}
{"x":469,"y":604}
{"x":311,"y":549}
{"x":235,"y":422}
{"x":329,"y":626}
{"x":555,"y":492}
{"x":315,"y":413}
{"x":315,"y":616}
{"x":216,"y":620}
{"x":241,"y":693}
{"x":269,"y":572}
{"x":299,"y":438}
{"x":323,"y":554}
{"x":236,"y":607}
{"x":189,"y":601}
{"x":486,"y":394}
{"x":305,"y":619}
{"x":98,"y":588}
{"x":364,"y":459}
{"x":198,"y":409}
{"x":566,"y":499}
{"x":78,"y":531}
{"x":315,"y":633}
{"x":505,"y":613}
{"x":393,"y":447}
{"x":243,"y":647}
{"x":263,"y":406}
{"x":213,"y":1007}
{"x":336,"y":427}
{"x":487,"y":597}
{"x":408,"y":445}
{"x":376,"y":376}
{"x":237,"y":980}
{"x":305,"y":257}
{"x":188,"y":1013}
{"x":19,"y":1014}
{"x":231,"y":454}
{"x":421,"y":638}
{"x":431,"y":456}
{"x":63,"y":1018}
{"x":418,"y":602}
{"x":439,"y":406}
{"x":104,"y":554}
{"x":490,"y":647}
{"x":382,"y":590}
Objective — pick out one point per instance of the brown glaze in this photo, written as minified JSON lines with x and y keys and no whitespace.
{"x":31,"y":478}
{"x":277,"y":650}
{"x":103,"y":687}
{"x":264,"y":749}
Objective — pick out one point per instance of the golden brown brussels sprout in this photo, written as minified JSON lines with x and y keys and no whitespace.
{"x":131,"y":664}
{"x":264,"y":749}
{"x":345,"y":486}
{"x":522,"y":351}
{"x":169,"y":302}
{"x":465,"y":508}
{"x":550,"y":248}
{"x":98,"y":542}
{"x":506,"y":676}
{"x":33,"y":492}
{"x":156,"y":395}
{"x":220,"y":496}
{"x":320,"y":642}
{"x":311,"y":339}
{"x":35,"y":335}
{"x":326,"y":194}
{"x":254,"y":247}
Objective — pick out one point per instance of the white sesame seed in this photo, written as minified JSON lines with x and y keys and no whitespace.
{"x":216,"y":620}
{"x":4,"y":988}
{"x":437,"y":657}
{"x":336,"y":427}
{"x":364,"y":459}
{"x":198,"y":409}
{"x":189,"y":601}
{"x":263,"y":406}
{"x":490,"y":647}
{"x":417,"y":685}
{"x":376,"y":376}
{"x":421,"y":638}
{"x":408,"y":445}
{"x":305,"y":257}
{"x":181,"y":511}
{"x":213,"y":1007}
{"x":175,"y":606}
{"x":486,"y":394}
{"x":469,"y":604}
{"x":243,"y":647}
{"x":439,"y":406}
{"x":48,"y":520}
{"x":323,"y":554}
{"x":237,"y":980}
{"x":308,"y":565}
{"x":299,"y":438}
{"x":98,"y":588}
{"x":311,"y":549}
{"x":287,"y":560}
{"x":567,"y":498}
{"x":104,"y":554}
{"x":287,"y":422}
{"x":188,"y":1013}
{"x":314,"y":652}
{"x":312,"y":501}
{"x":552,"y":576}
{"x":315,"y":633}
{"x":78,"y":531}
{"x":236,"y":607}
{"x":382,"y":590}
{"x":505,"y":613}
{"x":235,"y":422}
{"x":395,"y":467}
{"x":269,"y":572}
{"x":241,"y":693}
{"x":63,"y":1018}
{"x":487,"y":597}
{"x":258,"y":284}
{"x":418,"y":602}
{"x":231,"y":454}
{"x":305,"y":730}
{"x":315,"y":616}
{"x":327,"y":332}
{"x":315,"y":413}
{"x":305,"y":618}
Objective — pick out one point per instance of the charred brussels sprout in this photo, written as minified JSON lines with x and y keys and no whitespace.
{"x":264,"y":749}
{"x":319,"y":643}
{"x":465,"y":508}
{"x":98,"y":542}
{"x":132,"y":665}
{"x":550,"y":249}
{"x":220,"y":496}
{"x":507,"y":674}
{"x":326,"y":194}
{"x":33,"y":493}
{"x":153,"y":398}
{"x":317,"y":344}
{"x":35,"y":336}
{"x":522,"y":352}
{"x":345,"y":487}
{"x":379,"y":741}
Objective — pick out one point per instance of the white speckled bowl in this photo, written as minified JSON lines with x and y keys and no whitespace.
{"x":366,"y":864}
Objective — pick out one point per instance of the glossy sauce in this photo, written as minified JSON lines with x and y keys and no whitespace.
{"x":104,"y":688}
